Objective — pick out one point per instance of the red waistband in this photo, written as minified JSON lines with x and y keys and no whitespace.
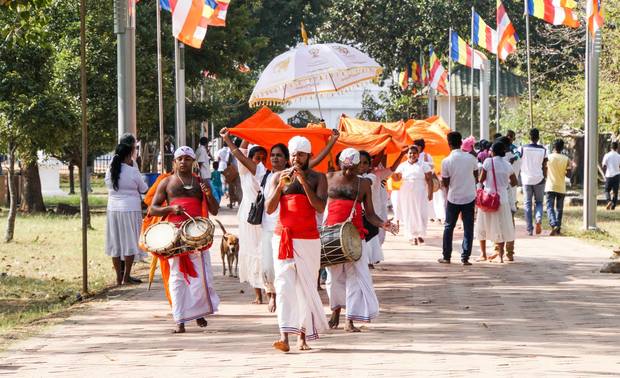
{"x":338,"y":211}
{"x":297,"y":221}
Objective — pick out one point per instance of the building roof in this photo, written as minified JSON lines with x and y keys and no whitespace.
{"x":511,"y":85}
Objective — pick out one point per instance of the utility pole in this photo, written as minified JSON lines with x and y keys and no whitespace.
{"x":179,"y":68}
{"x":125,"y":29}
{"x":84,"y":172}
{"x":590,"y":184}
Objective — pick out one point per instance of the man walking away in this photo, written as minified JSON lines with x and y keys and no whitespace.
{"x":533,"y":174}
{"x":459,"y":171}
{"x":558,"y":168}
{"x":611,"y":165}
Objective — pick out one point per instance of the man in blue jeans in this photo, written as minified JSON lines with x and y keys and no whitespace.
{"x":558,"y":167}
{"x":533,"y":174}
{"x":459,"y":175}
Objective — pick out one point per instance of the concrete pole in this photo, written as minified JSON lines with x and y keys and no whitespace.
{"x":452,"y":126}
{"x":431,"y":101}
{"x":179,"y":68}
{"x":125,"y":29}
{"x":590,"y":185}
{"x":485,"y":85}
{"x":497,"y":93}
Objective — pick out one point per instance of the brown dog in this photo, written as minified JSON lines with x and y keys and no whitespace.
{"x":230,"y":251}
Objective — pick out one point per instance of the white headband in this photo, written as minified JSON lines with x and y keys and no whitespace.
{"x":299,"y":144}
{"x":349,"y":157}
{"x":184,"y":151}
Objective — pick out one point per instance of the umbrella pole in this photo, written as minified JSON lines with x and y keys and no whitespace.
{"x":316,"y":92}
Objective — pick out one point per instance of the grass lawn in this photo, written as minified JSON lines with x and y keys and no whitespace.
{"x":608,"y":223}
{"x":41,"y":270}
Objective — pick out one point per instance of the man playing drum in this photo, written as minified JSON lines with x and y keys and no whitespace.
{"x":350,"y":284}
{"x":301,"y":193}
{"x":188,"y":277}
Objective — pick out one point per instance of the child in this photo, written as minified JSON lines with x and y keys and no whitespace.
{"x":216,"y":182}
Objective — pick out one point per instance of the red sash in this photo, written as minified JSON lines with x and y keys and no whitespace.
{"x":297,"y":221}
{"x":192,"y":206}
{"x":338,"y":211}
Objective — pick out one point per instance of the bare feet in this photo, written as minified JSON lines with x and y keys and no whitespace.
{"x":281,"y":345}
{"x":415,"y":241}
{"x":302,"y":345}
{"x":258,"y":299}
{"x":351,"y":328}
{"x":493,"y":257}
{"x":201,"y":322}
{"x":481,"y":258}
{"x":334,"y":321}
{"x":420,"y":240}
{"x":180,"y":328}
{"x":272,"y":303}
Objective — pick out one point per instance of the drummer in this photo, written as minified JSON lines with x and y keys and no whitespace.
{"x":188,"y":277}
{"x":297,"y":247}
{"x":349,"y":285}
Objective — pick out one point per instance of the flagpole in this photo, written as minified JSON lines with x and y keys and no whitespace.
{"x":472,"y":75}
{"x":160,"y":93}
{"x":497,"y":88}
{"x":529,"y":70}
{"x":450,"y":80}
{"x":591,"y":130}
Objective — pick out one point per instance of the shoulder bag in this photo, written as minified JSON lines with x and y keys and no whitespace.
{"x":488,"y":202}
{"x":255,"y":216}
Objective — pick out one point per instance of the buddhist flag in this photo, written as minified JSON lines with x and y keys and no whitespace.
{"x":506,"y":34}
{"x":594,"y":14}
{"x":425,"y":73}
{"x":438,"y":74}
{"x":484,"y":35}
{"x":556,"y":12}
{"x":403,"y":79}
{"x":415,"y":72}
{"x":220,"y":10}
{"x":462,"y":53}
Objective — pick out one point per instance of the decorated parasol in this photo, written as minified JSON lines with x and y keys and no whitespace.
{"x":310,"y":70}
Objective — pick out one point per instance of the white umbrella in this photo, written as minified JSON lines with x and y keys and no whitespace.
{"x":310,"y":70}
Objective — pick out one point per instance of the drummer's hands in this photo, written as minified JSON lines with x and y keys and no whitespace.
{"x":205,"y":188}
{"x":176,"y":209}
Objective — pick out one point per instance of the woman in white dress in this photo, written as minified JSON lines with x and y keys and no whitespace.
{"x":377,"y":175}
{"x":497,"y":176}
{"x":124,"y":213}
{"x":437,"y":207}
{"x":415,"y":192}
{"x":251,"y":172}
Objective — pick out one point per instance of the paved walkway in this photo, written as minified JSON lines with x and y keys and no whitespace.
{"x":549,"y":314}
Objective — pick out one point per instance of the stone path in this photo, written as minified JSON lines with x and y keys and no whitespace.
{"x":549,"y":314}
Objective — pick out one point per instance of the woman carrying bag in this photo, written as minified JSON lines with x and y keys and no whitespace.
{"x":495,"y":223}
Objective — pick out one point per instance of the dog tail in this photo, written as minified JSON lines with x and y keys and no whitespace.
{"x":221,"y":226}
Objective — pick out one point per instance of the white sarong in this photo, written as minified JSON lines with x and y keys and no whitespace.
{"x":197,"y":298}
{"x":298,"y":304}
{"x":267,"y":262}
{"x":414,"y":208}
{"x":349,"y":286}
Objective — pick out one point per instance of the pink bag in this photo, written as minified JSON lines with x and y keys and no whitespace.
{"x":488,"y":202}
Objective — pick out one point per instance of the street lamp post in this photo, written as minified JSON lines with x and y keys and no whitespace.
{"x":125,"y":29}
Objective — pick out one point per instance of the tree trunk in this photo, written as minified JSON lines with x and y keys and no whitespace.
{"x":71,"y":178}
{"x":32,"y":198}
{"x":10,"y":220}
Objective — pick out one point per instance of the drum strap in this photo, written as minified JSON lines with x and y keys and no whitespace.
{"x":359,"y":180}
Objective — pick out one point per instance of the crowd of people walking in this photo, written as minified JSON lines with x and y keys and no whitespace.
{"x":281,"y":210}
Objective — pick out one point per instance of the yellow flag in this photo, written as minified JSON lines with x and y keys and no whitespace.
{"x":304,"y":35}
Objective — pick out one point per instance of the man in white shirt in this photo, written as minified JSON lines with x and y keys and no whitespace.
{"x":611,"y":165}
{"x":203,"y":157}
{"x":533,"y":174}
{"x":459,"y":172}
{"x":223,"y":155}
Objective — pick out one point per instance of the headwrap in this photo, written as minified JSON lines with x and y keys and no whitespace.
{"x":184,"y":151}
{"x":349,"y":157}
{"x":468,"y":144}
{"x":299,"y":144}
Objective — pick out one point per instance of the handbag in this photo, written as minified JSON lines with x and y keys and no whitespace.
{"x":255,"y":216}
{"x":488,"y":202}
{"x":230,"y":172}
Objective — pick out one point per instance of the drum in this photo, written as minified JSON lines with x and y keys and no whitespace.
{"x":197,"y":232}
{"x":161,"y":239}
{"x":340,"y":243}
